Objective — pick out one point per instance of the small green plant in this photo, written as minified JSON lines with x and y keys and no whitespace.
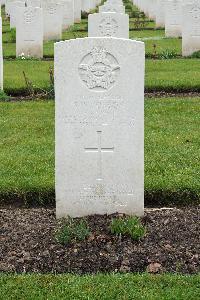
{"x":3,"y":96}
{"x":72,"y":230}
{"x":129,"y":6}
{"x":128,"y":226}
{"x":168,"y":54}
{"x":196,"y":54}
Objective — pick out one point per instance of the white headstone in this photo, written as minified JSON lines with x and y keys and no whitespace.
{"x":87,"y":5}
{"x":99,"y":90}
{"x":68,"y":13}
{"x":52,"y":20}
{"x":77,"y":11}
{"x":7,"y":6}
{"x":112,"y":8}
{"x":173,"y":18}
{"x":191,"y":28}
{"x":29,"y":32}
{"x":160,"y":13}
{"x":152,"y":9}
{"x":108,"y":24}
{"x":14,"y":12}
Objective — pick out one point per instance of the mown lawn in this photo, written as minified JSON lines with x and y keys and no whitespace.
{"x":173,"y":75}
{"x":101,"y":287}
{"x":150,"y":37}
{"x":166,"y":75}
{"x":171,"y":151}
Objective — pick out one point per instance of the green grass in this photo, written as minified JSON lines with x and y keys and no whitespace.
{"x":163,"y":45}
{"x":172,"y":147}
{"x":173,"y":75}
{"x":36,"y":71}
{"x":99,"y":287}
{"x":171,"y":151}
{"x":9,"y":47}
{"x":27,"y":148}
{"x":167,"y":75}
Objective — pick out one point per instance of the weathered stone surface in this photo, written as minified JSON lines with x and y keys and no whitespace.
{"x":68,"y":13}
{"x":14,"y":12}
{"x":77,"y":11}
{"x":191,"y":28}
{"x":99,"y":87}
{"x":52,"y":20}
{"x":173,"y":18}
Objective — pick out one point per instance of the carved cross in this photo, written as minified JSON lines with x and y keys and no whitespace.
{"x":99,"y":149}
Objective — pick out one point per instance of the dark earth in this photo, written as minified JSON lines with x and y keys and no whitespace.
{"x":28,"y":244}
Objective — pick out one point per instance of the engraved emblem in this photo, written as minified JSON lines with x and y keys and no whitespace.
{"x":99,"y":69}
{"x":108,"y":27}
{"x":51,"y":9}
{"x":195,"y":12}
{"x":29,"y":16}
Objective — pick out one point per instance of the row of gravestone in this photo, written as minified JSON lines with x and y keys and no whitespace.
{"x":39,"y":20}
{"x":30,"y":19}
{"x":99,"y":95}
{"x":181,"y":18}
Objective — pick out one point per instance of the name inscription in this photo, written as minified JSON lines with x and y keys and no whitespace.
{"x":98,"y":111}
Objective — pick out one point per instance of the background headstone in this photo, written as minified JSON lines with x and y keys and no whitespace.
{"x":77,"y":11}
{"x":14,"y":12}
{"x":29,"y":32}
{"x":191,"y":28}
{"x":108,"y":24}
{"x":173,"y":18}
{"x":68,"y":13}
{"x":52,"y":20}
{"x":112,"y":8}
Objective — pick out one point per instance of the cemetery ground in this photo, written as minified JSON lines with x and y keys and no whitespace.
{"x":169,"y":250}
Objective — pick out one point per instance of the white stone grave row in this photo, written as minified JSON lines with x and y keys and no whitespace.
{"x":180,"y":18}
{"x":38,"y":20}
{"x":78,"y":5}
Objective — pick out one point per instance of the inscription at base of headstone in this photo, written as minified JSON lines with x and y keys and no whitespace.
{"x":99,"y":92}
